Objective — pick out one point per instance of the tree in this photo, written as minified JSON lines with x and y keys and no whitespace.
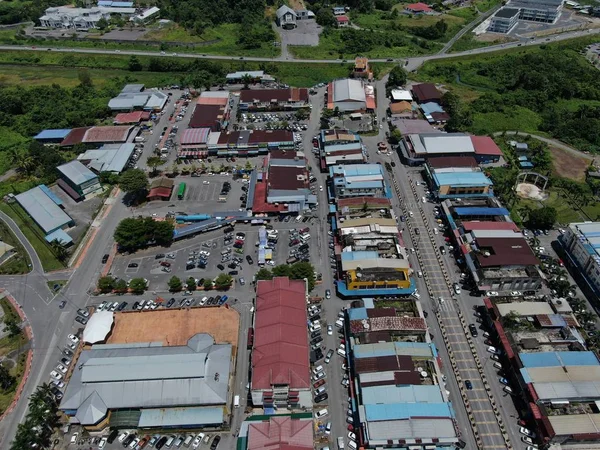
{"x":163,"y":232}
{"x":248,"y":166}
{"x":6,"y":379}
{"x":208,"y":284}
{"x":282,"y":270}
{"x":138,"y":285}
{"x":302,"y":114}
{"x":102,"y":24}
{"x":106,"y":284}
{"x":304,"y":270}
{"x":175,"y":284}
{"x":154,"y":162}
{"x":120,"y":286}
{"x":264,"y":274}
{"x":246,"y":80}
{"x":542,"y":218}
{"x":223,"y":281}
{"x":59,"y":250}
{"x":132,"y":234}
{"x":134,"y":182}
{"x":191,"y":284}
{"x":134,"y":64}
{"x":85,"y":79}
{"x":12,"y":326}
{"x":397,"y":78}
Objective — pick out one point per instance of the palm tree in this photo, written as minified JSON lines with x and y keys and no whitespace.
{"x":59,"y":250}
{"x":246,"y":80}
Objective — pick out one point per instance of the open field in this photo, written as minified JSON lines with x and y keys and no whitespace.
{"x":34,"y":235}
{"x":176,"y":326}
{"x":568,"y":165}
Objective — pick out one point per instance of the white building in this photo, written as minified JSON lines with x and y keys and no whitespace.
{"x":582,"y":243}
{"x":80,"y":18}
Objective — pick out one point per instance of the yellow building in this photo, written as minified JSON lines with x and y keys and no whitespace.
{"x":366,"y":270}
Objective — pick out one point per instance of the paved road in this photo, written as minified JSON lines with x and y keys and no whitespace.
{"x":467,"y":28}
{"x":549,"y":141}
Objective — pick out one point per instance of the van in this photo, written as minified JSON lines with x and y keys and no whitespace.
{"x":170,"y":441}
{"x":341,"y":352}
{"x":340,"y":443}
{"x":315,"y":326}
{"x":236,"y":401}
{"x":188,"y":440}
{"x":305,"y":238}
{"x":497,"y":365}
{"x":291,"y":260}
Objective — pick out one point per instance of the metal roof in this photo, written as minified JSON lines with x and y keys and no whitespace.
{"x":52,"y":134}
{"x":366,"y":260}
{"x":461,"y":178}
{"x":524,"y":308}
{"x":417,"y":349}
{"x":109,"y":157}
{"x":550,"y":359}
{"x":571,"y":424}
{"x":43,"y":210}
{"x":92,"y":410}
{"x":59,"y":235}
{"x":401,"y":394}
{"x":151,"y":376}
{"x":379,"y":433}
{"x":447,"y":143}
{"x":181,"y":417}
{"x":348,"y":90}
{"x":355,"y":170}
{"x":280,"y":433}
{"x":77,"y":173}
{"x":480,"y":211}
{"x":403,"y":411}
{"x":401,"y":94}
{"x":241,"y":74}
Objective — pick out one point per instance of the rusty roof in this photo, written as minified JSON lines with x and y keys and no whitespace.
{"x":107,"y":134}
{"x":278,"y":95}
{"x":505,"y":252}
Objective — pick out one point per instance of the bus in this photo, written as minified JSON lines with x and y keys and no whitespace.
{"x":181,"y":191}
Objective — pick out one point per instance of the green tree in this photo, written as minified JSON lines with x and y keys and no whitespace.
{"x":264,"y":274}
{"x":208,"y":284}
{"x":246,"y":80}
{"x":175,"y":284}
{"x":59,"y":250}
{"x":154,"y":162}
{"x":304,"y":270}
{"x":302,"y":114}
{"x":134,"y":233}
{"x":248,"y":166}
{"x":120,"y":286}
{"x":138,"y":285}
{"x":134,"y":182}
{"x":12,"y":326}
{"x":397,"y":78}
{"x":106,"y":284}
{"x":542,"y":218}
{"x":163,"y":232}
{"x":223,"y":281}
{"x":191,"y":284}
{"x":7,"y":381}
{"x":282,"y":270}
{"x":102,"y":24}
{"x":85,"y":79}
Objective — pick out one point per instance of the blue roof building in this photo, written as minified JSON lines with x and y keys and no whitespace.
{"x":581,"y":242}
{"x":359,"y":180}
{"x":55,"y":136}
{"x":458,"y":182}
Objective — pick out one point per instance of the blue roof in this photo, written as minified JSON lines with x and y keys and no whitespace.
{"x":555,"y":359}
{"x":526,"y":165}
{"x":332,"y":209}
{"x":354,"y":256}
{"x":60,"y":236}
{"x":389,"y":395}
{"x":350,"y":170}
{"x":53,"y":134}
{"x":431,"y":107}
{"x":344,"y":291}
{"x":51,"y":194}
{"x":357,"y":313}
{"x":480,"y":211}
{"x":459,"y":179}
{"x":402,"y":411}
{"x":377,"y":350}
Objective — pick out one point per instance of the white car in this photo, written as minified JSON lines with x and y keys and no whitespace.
{"x":457,"y":288}
{"x":102,"y":442}
{"x":197,"y":441}
{"x":206,"y":182}
{"x":493,"y":350}
{"x":61,"y":368}
{"x":203,"y":301}
{"x":57,"y":376}
{"x":527,"y":432}
{"x":74,"y":339}
{"x":328,"y":428}
{"x":330,"y":330}
{"x":321,"y":413}
{"x":351,"y":435}
{"x":123,"y":436}
{"x":491,"y":294}
{"x":528,"y":440}
{"x":74,"y":438}
{"x":321,"y":188}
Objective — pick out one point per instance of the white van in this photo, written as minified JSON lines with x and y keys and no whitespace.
{"x":341,"y":352}
{"x":236,"y":401}
{"x":305,"y":238}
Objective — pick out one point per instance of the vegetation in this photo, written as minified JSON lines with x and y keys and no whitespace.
{"x":9,"y":352}
{"x":37,"y":428}
{"x":297,"y":271}
{"x":542,"y":218}
{"x":106,"y":284}
{"x":175,"y":284}
{"x":134,"y":182}
{"x":397,"y":79}
{"x":18,"y":263}
{"x":138,"y":285}
{"x":24,"y":11}
{"x":135,"y":233}
{"x":191,"y":284}
{"x":223,"y":281}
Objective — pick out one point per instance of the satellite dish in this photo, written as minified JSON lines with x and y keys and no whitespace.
{"x":358,"y":274}
{"x":424,"y":374}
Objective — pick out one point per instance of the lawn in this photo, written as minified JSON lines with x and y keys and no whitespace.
{"x":18,"y":263}
{"x":8,"y":140}
{"x":517,"y":118}
{"x":34,"y":235}
{"x":486,"y":5}
{"x":468,"y":14}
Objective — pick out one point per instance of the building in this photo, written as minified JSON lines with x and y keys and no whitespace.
{"x":338,"y":146}
{"x":418,"y":8}
{"x":581,"y":244}
{"x":249,"y":142}
{"x":413,"y":126}
{"x":415,"y":149}
{"x":486,"y":150}
{"x":116,"y":4}
{"x":82,"y":19}
{"x":361,"y":68}
{"x":426,"y":92}
{"x":193,"y":143}
{"x":358,"y":180}
{"x":280,"y":433}
{"x":131,"y":118}
{"x":221,"y":98}
{"x":504,"y":20}
{"x":342,"y":21}
{"x":273,"y":99}
{"x":45,"y":209}
{"x":161,"y":189}
{"x":282,"y":185}
{"x":209,"y":116}
{"x":434,"y":113}
{"x":51,"y":137}
{"x":459,"y":182}
{"x":304,"y":14}
{"x":348,"y":95}
{"x":286,"y":17}
{"x":107,"y":135}
{"x":147,"y":16}
{"x":401,"y":95}
{"x":280,"y":355}
{"x":255,"y":76}
{"x":108,"y":158}
{"x":149,"y":385}
{"x":79,"y":179}
{"x":339,"y":10}
{"x":401,"y":109}
{"x":134,"y":97}
{"x":546,"y":11}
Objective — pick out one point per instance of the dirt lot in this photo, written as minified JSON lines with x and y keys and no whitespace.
{"x":568,"y":165}
{"x":176,"y":326}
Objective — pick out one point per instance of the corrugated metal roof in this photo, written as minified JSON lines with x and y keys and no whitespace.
{"x":379,"y":433}
{"x":60,"y":236}
{"x":581,"y":390}
{"x":402,"y":411}
{"x":43,"y":210}
{"x":401,"y":394}
{"x":76,"y":172}
{"x":401,"y":94}
{"x":181,"y":417}
{"x":280,"y":433}
{"x":109,"y":157}
{"x":348,"y":90}
{"x":52,"y":134}
{"x":550,"y":359}
{"x":417,"y":349}
{"x":447,"y":143}
{"x":575,"y":424}
{"x":463,"y":178}
{"x":524,"y":308}
{"x":480,"y":211}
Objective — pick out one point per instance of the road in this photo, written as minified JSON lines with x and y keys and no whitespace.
{"x":411,"y":63}
{"x":467,"y":28}
{"x":553,"y":142}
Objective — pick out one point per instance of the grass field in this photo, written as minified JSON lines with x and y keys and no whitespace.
{"x":517,"y":118}
{"x":8,"y":140}
{"x":8,"y":345}
{"x":34,"y":235}
{"x":18,"y":263}
{"x":565,"y":211}
{"x":486,"y":5}
{"x":567,"y":165}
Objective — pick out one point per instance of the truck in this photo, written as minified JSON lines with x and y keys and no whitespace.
{"x":236,"y":401}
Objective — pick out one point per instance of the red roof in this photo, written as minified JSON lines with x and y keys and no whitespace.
{"x":280,"y":354}
{"x":492,"y":225}
{"x":162,"y":192}
{"x":426,"y":92}
{"x":107,"y":134}
{"x":74,"y":137}
{"x":279,"y":95}
{"x":287,"y":178}
{"x":485,"y":145}
{"x":259,"y":202}
{"x":342,"y":19}
{"x":280,"y":433}
{"x":505,"y":252}
{"x":207,"y":116}
{"x":131,"y":117}
{"x":418,"y":7}
{"x":222,"y":101}
{"x":451,"y":161}
{"x":360,"y":201}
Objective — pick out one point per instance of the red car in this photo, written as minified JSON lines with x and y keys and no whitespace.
{"x":321,"y":382}
{"x":165,"y":263}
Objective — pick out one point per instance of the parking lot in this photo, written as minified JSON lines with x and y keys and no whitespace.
{"x":271,"y":121}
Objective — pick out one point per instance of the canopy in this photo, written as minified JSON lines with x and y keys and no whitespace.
{"x":98,"y":327}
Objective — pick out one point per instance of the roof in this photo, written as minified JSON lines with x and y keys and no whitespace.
{"x":280,"y":433}
{"x":505,"y":252}
{"x":507,"y":12}
{"x":76,"y":172}
{"x":431,"y":107}
{"x":43,"y":210}
{"x":524,"y":308}
{"x":400,"y":107}
{"x":59,"y":235}
{"x":485,"y":145}
{"x":342,"y":18}
{"x":288,"y":178}
{"x":461,"y":178}
{"x":195,"y":136}
{"x":108,"y":158}
{"x":415,"y":324}
{"x":401,"y":394}
{"x":212,"y":100}
{"x":403,"y":411}
{"x":426,"y":92}
{"x":131,"y":117}
{"x":162,"y":182}
{"x":419,"y":7}
{"x":280,"y":352}
{"x":150,"y":375}
{"x":107,"y":134}
{"x":241,"y":74}
{"x":401,"y":94}
{"x":423,"y":428}
{"x":98,"y":327}
{"x":379,"y":349}
{"x":163,"y":192}
{"x":370,"y":259}
{"x":74,"y":137}
{"x":283,"y":10}
{"x":206,"y":116}
{"x":480,"y":211}
{"x":414,"y":126}
{"x":181,"y":417}
{"x":452,"y":161}
{"x":572,"y":424}
{"x":446,"y":143}
{"x":356,"y":170}
{"x":52,"y":134}
{"x":277,"y":95}
{"x":554,"y":359}
{"x":360,"y":201}
{"x":92,"y":410}
{"x":477,"y":225}
{"x":348,"y":90}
